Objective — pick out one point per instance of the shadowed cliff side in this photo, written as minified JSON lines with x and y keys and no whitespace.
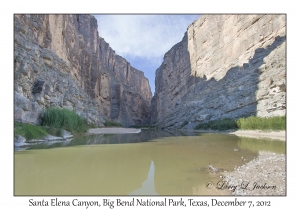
{"x":60,"y":60}
{"x":193,"y":84}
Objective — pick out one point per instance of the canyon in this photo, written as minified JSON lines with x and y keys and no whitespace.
{"x":226,"y":66}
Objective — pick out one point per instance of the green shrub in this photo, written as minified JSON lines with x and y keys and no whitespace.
{"x":222,"y":124}
{"x":64,"y":119}
{"x":112,"y":123}
{"x":29,"y":131}
{"x":249,"y":123}
{"x":262,"y":123}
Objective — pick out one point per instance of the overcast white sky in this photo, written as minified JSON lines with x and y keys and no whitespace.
{"x":143,"y":39}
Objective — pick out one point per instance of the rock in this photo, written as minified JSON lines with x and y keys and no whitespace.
{"x":213,"y":170}
{"x":66,"y":134}
{"x":21,"y":102}
{"x":53,"y":138}
{"x":19,"y":141}
{"x":36,"y":141}
{"x":224,"y":67}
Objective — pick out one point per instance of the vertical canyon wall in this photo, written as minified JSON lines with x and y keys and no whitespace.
{"x":225,"y":66}
{"x":60,"y":61}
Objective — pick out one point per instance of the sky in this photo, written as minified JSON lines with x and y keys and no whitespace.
{"x":144,"y":39}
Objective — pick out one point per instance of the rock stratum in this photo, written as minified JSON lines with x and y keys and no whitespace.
{"x":225,"y":66}
{"x":60,"y":61}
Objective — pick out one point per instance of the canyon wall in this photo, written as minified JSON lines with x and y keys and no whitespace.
{"x":225,"y":66}
{"x":60,"y":61}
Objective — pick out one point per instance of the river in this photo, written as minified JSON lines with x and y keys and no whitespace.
{"x":147,"y":163}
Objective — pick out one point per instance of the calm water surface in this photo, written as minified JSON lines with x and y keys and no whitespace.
{"x":148,"y":163}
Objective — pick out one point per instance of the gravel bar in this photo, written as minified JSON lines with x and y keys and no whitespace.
{"x":264,"y":175}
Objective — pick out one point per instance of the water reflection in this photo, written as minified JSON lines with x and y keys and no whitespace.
{"x":159,"y":163}
{"x":267,"y":145}
{"x":148,"y":186}
{"x":144,"y":136}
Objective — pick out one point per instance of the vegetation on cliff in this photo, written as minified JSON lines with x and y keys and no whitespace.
{"x":249,"y":123}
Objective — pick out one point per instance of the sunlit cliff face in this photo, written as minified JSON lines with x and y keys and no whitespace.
{"x":217,"y":43}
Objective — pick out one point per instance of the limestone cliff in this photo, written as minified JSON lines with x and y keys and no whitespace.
{"x":60,"y":60}
{"x":225,"y":66}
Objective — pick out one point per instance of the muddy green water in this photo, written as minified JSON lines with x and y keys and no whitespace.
{"x":148,"y":163}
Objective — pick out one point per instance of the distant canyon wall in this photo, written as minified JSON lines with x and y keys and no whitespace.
{"x":225,"y":66}
{"x":60,"y":61}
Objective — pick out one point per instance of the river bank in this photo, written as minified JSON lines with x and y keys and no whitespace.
{"x":258,"y":134}
{"x":264,"y":175}
{"x":20,"y":141}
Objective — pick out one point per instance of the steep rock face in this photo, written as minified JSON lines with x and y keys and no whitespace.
{"x":60,"y":60}
{"x":225,"y":66}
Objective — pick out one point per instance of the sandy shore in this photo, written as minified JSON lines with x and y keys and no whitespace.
{"x":264,"y":175}
{"x":279,"y":135}
{"x":258,"y":134}
{"x":113,"y":130}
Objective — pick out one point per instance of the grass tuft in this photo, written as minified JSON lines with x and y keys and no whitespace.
{"x":261,"y":123}
{"x":64,"y":119}
{"x":28,"y":131}
{"x":249,"y":123}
